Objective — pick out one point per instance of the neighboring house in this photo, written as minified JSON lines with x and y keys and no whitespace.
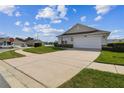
{"x":19,"y":43}
{"x":5,"y":42}
{"x":32,"y":42}
{"x":115,"y":40}
{"x":11,"y":42}
{"x":81,"y":36}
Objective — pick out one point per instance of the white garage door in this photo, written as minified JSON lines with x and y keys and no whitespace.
{"x":87,"y":42}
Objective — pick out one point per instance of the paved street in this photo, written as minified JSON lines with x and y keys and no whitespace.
{"x":3,"y":50}
{"x":3,"y":83}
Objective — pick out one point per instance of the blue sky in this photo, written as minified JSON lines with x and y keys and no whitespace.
{"x":46,"y":22}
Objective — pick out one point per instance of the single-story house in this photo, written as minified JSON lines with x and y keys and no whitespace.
{"x":11,"y":42}
{"x":82,"y":36}
{"x":19,"y":43}
{"x":5,"y":42}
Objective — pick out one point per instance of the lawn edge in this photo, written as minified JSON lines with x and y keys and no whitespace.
{"x":108,"y":63}
{"x":88,"y":69}
{"x":43,"y":53}
{"x":13,"y":57}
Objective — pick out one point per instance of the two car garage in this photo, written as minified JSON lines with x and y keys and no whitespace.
{"x":89,"y":42}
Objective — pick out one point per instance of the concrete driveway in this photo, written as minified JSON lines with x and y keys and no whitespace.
{"x":53,"y":69}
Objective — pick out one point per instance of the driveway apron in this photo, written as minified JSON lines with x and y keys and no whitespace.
{"x":53,"y":69}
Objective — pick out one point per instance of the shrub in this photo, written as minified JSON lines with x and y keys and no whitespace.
{"x":110,"y":45}
{"x":56,"y":44}
{"x":107,"y":48}
{"x":118,"y":47}
{"x":63,"y":45}
{"x":37,"y":44}
{"x":67,"y":45}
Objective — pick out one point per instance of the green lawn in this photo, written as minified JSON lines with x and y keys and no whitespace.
{"x":42,"y":49}
{"x":9,"y":54}
{"x":89,"y":78}
{"x":111,"y":57}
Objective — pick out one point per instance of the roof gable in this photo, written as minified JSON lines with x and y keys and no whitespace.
{"x":82,"y":29}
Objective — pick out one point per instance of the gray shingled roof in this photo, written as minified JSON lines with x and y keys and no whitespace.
{"x":82,"y":29}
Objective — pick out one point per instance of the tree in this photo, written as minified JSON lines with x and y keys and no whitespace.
{"x":29,"y":38}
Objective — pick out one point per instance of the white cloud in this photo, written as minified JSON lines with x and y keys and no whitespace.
{"x":1,"y":33}
{"x":18,"y":23}
{"x":98,"y":18}
{"x":53,"y":13}
{"x":26,"y":23}
{"x":47,"y":12}
{"x":46,"y":34}
{"x":103,"y":9}
{"x":25,"y":26}
{"x":62,"y":10}
{"x":83,"y":18}
{"x":94,"y":25}
{"x":114,"y":37}
{"x":17,"y":14}
{"x":47,"y":30}
{"x":74,"y":10}
{"x":115,"y":31}
{"x":56,"y":21}
{"x":9,"y":10}
{"x":26,"y":29}
{"x":116,"y":34}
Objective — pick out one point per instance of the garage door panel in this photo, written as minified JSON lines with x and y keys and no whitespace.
{"x":87,"y":42}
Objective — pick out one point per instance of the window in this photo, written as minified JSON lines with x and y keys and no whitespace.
{"x":62,"y":42}
{"x":65,"y":42}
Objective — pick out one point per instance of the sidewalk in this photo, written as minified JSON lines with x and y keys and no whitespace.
{"x":20,"y":51}
{"x":107,"y":67}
